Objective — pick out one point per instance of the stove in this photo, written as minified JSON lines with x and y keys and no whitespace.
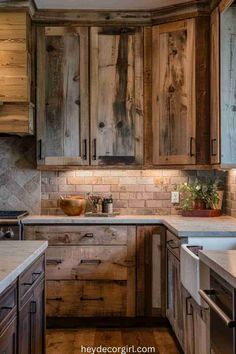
{"x":11,"y":227}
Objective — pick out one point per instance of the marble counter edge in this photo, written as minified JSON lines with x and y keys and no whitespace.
{"x":14,"y":274}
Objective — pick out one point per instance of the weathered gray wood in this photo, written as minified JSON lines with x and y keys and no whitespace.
{"x":116,"y":96}
{"x":65,"y":73}
{"x":173,"y":93}
{"x":228,"y":87}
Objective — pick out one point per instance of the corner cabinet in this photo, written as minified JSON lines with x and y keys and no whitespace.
{"x":180,"y":92}
{"x":116,"y":96}
{"x":62,"y":96}
{"x":16,"y":81}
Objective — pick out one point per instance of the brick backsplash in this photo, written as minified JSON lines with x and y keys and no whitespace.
{"x":231,"y":193}
{"x":134,"y":191}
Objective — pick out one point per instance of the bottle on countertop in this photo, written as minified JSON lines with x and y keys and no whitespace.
{"x":110,"y":205}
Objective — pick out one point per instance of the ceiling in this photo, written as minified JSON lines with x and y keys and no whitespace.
{"x":106,"y":4}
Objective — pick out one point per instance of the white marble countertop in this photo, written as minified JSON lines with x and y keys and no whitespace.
{"x":15,"y":257}
{"x":182,"y":226}
{"x":222,"y":262}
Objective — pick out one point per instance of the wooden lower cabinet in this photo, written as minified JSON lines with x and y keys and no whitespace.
{"x":8,"y":338}
{"x":196,"y":324}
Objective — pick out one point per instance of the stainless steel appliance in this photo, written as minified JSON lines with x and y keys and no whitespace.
{"x":11,"y":227}
{"x":221,"y":301}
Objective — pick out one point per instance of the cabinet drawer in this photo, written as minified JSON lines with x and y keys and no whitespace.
{"x":80,"y":235}
{"x":90,"y":299}
{"x":30,"y":277}
{"x":173,"y":243}
{"x":86,"y":262}
{"x":8,"y":303}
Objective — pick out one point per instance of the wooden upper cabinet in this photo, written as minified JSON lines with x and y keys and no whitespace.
{"x":180,"y":90}
{"x":215,"y":87}
{"x":116,"y":96}
{"x":228,"y":86}
{"x":62,"y":96}
{"x":16,"y":83}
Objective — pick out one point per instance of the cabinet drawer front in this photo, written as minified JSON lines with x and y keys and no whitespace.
{"x":90,"y":299}
{"x":80,"y":235}
{"x":173,"y":242}
{"x":8,"y":303}
{"x":86,"y":262}
{"x":30,"y":277}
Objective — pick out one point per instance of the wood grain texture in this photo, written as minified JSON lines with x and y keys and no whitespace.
{"x":228,"y":87}
{"x":17,"y":119}
{"x":80,"y":235}
{"x":70,"y":341}
{"x":173,"y":92}
{"x":63,"y":84}
{"x":215,"y":87}
{"x":13,"y":34}
{"x":116,"y":96}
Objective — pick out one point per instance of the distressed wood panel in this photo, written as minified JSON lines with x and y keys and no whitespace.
{"x":228,"y":87}
{"x":13,"y":63}
{"x":16,"y":118}
{"x":80,"y":235}
{"x":88,"y":263}
{"x":116,"y":96}
{"x":13,"y":34}
{"x":174,"y":93}
{"x":63,"y":122}
{"x":215,"y":87}
{"x":89,"y":299}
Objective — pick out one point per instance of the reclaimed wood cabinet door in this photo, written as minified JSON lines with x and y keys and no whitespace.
{"x":174,"y":92}
{"x":151,"y":289}
{"x":8,"y":338}
{"x":116,"y":96}
{"x":16,"y":79}
{"x":228,"y":86}
{"x":180,"y":92}
{"x":174,"y":310}
{"x":62,"y":96}
{"x":215,"y":87}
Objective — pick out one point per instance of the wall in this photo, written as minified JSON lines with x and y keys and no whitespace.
{"x":134,"y":191}
{"x":231,"y":193}
{"x":20,"y":183}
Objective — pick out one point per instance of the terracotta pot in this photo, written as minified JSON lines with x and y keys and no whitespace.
{"x":73,"y":206}
{"x":199,"y":204}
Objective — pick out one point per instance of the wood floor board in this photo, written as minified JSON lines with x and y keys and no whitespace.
{"x":70,"y":341}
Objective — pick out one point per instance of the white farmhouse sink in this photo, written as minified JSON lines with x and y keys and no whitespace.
{"x":189,"y":262}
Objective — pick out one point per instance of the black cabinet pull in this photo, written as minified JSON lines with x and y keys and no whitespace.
{"x":54,"y":261}
{"x":94,"y":149}
{"x":82,"y":298}
{"x":213,"y":141}
{"x":191,"y":147}
{"x":54,"y":299}
{"x":40,"y":149}
{"x":7,"y":308}
{"x":90,"y":261}
{"x":33,"y":307}
{"x":85,"y":150}
{"x":89,"y":235}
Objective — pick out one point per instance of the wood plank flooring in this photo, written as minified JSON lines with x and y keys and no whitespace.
{"x":70,"y":341}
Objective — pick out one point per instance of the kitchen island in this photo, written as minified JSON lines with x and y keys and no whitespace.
{"x":22,"y":297}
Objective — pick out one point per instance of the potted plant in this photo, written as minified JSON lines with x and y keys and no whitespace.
{"x":200,"y":195}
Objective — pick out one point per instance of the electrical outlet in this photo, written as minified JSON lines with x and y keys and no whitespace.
{"x":175,"y":197}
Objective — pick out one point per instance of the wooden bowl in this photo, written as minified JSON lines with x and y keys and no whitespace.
{"x":73,"y":206}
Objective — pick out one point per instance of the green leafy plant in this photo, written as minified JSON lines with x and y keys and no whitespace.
{"x":207,"y":192}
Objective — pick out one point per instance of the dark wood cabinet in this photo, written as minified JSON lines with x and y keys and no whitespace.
{"x":180,"y":92}
{"x":8,"y":338}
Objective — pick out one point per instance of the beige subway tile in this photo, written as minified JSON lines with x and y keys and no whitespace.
{"x":134,"y":203}
{"x":101,"y":173}
{"x":162,"y":211}
{"x":120,"y":203}
{"x":145,"y":180}
{"x":153,"y":203}
{"x":161,"y":180}
{"x":57,"y":180}
{"x":93,"y":180}
{"x":84,"y":173}
{"x":162,"y":195}
{"x":101,"y":188}
{"x":87,"y":188}
{"x":127,"y":195}
{"x":145,"y":196}
{"x":152,"y":173}
{"x":67,"y":173}
{"x":67,"y":188}
{"x":128,"y":180}
{"x":178,"y":180}
{"x":171,"y":173}
{"x":110,"y":180}
{"x":75,"y":180}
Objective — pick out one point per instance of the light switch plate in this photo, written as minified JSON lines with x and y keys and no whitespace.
{"x":175,"y":197}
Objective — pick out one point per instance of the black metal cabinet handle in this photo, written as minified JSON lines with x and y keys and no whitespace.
{"x":85,"y":150}
{"x":33,"y":307}
{"x":54,"y":261}
{"x":35,"y":276}
{"x":188,"y":313}
{"x":94,"y":149}
{"x":82,"y":298}
{"x":89,"y":235}
{"x":205,"y":295}
{"x":90,"y":261}
{"x":213,"y":141}
{"x":191,"y":147}
{"x":7,"y":308}
{"x":40,"y":149}
{"x":54,"y":299}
